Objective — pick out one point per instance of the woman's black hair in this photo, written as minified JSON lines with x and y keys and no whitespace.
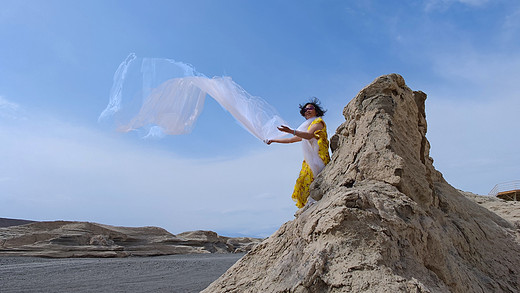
{"x":316,"y":103}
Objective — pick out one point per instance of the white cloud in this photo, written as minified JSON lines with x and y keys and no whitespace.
{"x":9,"y":110}
{"x":512,"y":20}
{"x":445,"y":4}
{"x":481,"y":75}
{"x":61,"y":171}
{"x":473,"y":2}
{"x":511,"y":26}
{"x":474,"y":141}
{"x":472,"y":122}
{"x":473,"y":95}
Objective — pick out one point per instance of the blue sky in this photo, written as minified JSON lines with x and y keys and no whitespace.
{"x":57,"y":61}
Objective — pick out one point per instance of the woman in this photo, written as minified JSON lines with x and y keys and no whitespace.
{"x":313,"y":134}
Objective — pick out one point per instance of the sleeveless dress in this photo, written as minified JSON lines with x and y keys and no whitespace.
{"x":316,"y":156}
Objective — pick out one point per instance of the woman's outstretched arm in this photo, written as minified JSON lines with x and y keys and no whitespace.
{"x":302,"y":134}
{"x":284,"y":140}
{"x":298,"y":135}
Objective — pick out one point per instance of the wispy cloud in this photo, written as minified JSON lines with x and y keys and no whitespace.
{"x":512,"y":20}
{"x":472,"y":2}
{"x":473,"y":140}
{"x":497,"y":70}
{"x":471,"y":113}
{"x":511,"y":26}
{"x":63,"y":171}
{"x":9,"y":110}
{"x":431,"y":5}
{"x":5,"y":104}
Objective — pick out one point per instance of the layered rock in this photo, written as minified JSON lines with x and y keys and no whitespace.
{"x":386,"y":220}
{"x":84,"y":239}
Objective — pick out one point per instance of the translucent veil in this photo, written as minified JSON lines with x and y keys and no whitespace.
{"x":163,"y":96}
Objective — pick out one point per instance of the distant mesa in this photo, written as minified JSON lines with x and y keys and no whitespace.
{"x":386,"y":220}
{"x":84,"y":239}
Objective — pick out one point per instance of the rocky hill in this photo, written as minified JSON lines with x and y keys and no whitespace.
{"x":386,"y":220}
{"x":84,"y":239}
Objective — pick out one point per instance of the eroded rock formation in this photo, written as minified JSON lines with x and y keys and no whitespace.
{"x":84,"y":239}
{"x":386,"y":220}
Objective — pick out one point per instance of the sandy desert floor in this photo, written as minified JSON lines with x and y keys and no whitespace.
{"x":174,"y":273}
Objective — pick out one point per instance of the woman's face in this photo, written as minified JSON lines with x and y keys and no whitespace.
{"x":310,"y":111}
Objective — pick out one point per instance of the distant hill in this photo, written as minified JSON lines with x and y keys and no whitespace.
{"x":4,"y":222}
{"x":85,"y":239}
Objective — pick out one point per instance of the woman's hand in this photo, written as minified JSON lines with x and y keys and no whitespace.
{"x":284,"y":128}
{"x":298,"y":134}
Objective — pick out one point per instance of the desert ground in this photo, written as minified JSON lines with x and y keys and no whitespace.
{"x":173,"y":273}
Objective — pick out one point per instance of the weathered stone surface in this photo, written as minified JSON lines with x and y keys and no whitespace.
{"x":83,"y":239}
{"x":386,"y":220}
{"x":383,"y":138}
{"x":508,"y":210}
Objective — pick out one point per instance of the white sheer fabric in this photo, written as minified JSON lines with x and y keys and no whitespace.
{"x":310,"y":149}
{"x":165,"y":96}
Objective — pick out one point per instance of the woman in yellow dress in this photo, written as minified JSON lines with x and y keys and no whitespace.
{"x":313,"y":135}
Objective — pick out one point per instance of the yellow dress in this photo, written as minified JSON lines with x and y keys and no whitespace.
{"x":301,"y":188}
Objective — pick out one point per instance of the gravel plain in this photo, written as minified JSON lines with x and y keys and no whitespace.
{"x":173,"y":273}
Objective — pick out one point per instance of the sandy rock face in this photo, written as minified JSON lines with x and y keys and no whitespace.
{"x":508,"y":210}
{"x":383,"y":139}
{"x":387,"y":221}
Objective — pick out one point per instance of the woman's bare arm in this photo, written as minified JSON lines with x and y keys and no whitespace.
{"x":284,"y":140}
{"x":303,"y":134}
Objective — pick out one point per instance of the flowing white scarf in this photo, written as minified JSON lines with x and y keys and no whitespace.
{"x":310,"y":149}
{"x":162,"y":96}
